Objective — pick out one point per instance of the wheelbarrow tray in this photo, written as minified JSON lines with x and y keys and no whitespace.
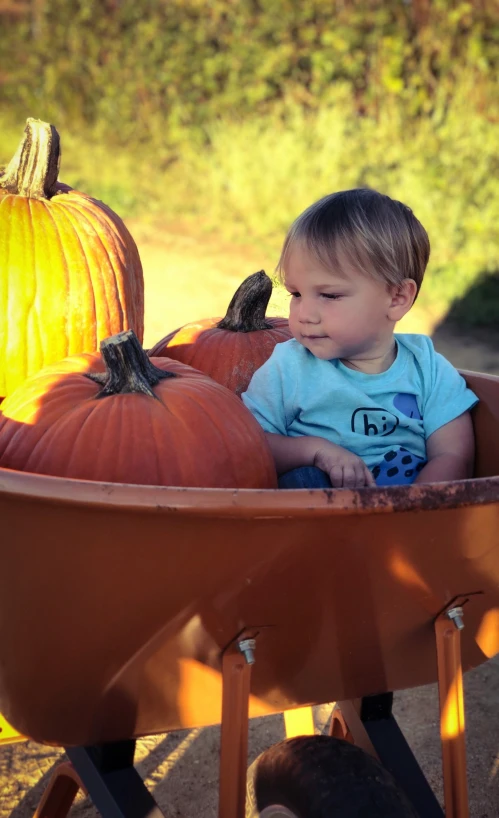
{"x":127,"y":610}
{"x":117,"y":601}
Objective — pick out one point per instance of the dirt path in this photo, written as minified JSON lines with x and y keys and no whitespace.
{"x":189,"y":278}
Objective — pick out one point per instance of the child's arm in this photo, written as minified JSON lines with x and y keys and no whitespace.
{"x":344,"y":469}
{"x":450,"y":452}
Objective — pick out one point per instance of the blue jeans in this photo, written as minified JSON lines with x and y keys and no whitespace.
{"x":305,"y":477}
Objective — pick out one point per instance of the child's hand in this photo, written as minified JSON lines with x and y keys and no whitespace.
{"x":345,"y":470}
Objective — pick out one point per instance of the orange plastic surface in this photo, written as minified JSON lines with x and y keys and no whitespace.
{"x":117,"y":601}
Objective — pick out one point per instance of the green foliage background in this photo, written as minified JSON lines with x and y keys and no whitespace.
{"x":233,"y":115}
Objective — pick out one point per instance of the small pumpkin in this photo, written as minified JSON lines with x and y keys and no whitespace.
{"x":70,"y":272}
{"x":230,"y":349}
{"x":127,"y":418}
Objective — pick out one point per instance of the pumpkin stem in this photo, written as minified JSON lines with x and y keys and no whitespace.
{"x":128,"y":369}
{"x":34,"y":168}
{"x":246,"y":311}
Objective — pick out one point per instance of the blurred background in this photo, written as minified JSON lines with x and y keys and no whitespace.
{"x":208,"y":125}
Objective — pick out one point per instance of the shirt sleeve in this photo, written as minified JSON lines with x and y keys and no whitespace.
{"x":265,"y":397}
{"x":448,"y":396}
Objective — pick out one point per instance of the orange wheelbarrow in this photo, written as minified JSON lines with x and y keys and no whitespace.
{"x":127,"y":611}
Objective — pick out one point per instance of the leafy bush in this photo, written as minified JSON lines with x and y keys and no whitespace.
{"x":256,"y":177}
{"x":150,"y":70}
{"x":235,"y":116}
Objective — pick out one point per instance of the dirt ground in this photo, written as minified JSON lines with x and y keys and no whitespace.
{"x":181,"y":768}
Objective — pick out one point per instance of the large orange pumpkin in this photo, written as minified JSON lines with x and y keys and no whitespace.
{"x":125,"y":418}
{"x":230,"y":349}
{"x":70,"y":272}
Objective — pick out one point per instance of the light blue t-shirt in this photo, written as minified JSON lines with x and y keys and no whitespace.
{"x":384,"y":418}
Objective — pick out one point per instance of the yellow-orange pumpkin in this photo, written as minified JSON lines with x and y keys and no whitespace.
{"x":70,"y":272}
{"x":230,"y":349}
{"x":132,"y":419}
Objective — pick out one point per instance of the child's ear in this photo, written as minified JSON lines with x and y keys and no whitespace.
{"x":403,"y":296}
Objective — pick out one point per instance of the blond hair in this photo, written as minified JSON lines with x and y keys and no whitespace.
{"x":379,"y":236}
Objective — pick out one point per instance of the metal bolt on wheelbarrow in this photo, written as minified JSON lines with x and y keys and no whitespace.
{"x":142,"y":610}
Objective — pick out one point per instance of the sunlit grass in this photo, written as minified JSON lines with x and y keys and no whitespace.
{"x":221,"y":211}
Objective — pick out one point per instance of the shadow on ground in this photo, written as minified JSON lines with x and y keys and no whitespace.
{"x":469,"y":334}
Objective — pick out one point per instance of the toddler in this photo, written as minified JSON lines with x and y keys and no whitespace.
{"x":346,"y":402}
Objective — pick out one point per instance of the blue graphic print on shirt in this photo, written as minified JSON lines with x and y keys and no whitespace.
{"x":399,"y":467}
{"x":408,"y":405}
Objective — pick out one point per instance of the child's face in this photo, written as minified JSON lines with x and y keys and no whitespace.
{"x":336,"y":313}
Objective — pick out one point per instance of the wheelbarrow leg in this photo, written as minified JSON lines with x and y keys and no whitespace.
{"x":112,"y":782}
{"x":338,"y":727}
{"x":60,"y":793}
{"x":448,"y":628}
{"x":237,"y":661}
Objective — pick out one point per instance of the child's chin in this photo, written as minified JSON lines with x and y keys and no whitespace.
{"x":325,"y":353}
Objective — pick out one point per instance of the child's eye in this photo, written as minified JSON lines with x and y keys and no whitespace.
{"x":331,"y":296}
{"x":294,"y":295}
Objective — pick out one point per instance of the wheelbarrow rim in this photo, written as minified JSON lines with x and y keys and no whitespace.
{"x":249,"y":503}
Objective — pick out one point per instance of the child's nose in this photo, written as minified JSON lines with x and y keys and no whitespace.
{"x":309,"y":313}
